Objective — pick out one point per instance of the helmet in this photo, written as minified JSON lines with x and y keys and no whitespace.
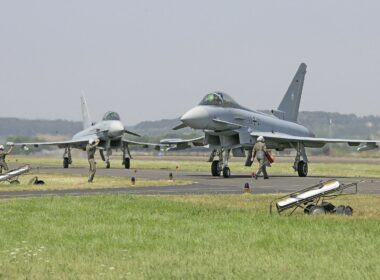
{"x":260,"y":139}
{"x":1,"y":147}
{"x":91,"y":141}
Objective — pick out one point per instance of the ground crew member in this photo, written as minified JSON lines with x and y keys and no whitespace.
{"x":91,"y":149}
{"x":3,"y":154}
{"x":259,"y":150}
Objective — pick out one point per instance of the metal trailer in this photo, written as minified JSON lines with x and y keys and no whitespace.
{"x":312,"y":199}
{"x":12,"y":176}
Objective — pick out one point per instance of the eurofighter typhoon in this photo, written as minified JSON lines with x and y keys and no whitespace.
{"x":110,"y":131}
{"x":231,"y":128}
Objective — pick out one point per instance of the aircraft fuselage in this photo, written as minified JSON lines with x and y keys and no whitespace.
{"x":221,"y":121}
{"x":105,"y":130}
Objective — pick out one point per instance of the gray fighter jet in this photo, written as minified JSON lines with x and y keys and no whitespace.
{"x":230,"y":127}
{"x":110,"y":131}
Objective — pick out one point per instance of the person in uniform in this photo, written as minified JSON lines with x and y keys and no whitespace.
{"x":3,"y":154}
{"x":259,"y":150}
{"x":91,"y":149}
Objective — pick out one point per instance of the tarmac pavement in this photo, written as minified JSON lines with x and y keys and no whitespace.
{"x":203,"y":183}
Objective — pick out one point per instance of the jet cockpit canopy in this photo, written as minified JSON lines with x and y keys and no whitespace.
{"x":111,"y":116}
{"x":219,"y":99}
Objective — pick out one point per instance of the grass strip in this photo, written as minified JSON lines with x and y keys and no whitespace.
{"x":132,"y":237}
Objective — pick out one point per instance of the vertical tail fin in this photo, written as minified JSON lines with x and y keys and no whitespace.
{"x":86,"y":119}
{"x":290,"y":104}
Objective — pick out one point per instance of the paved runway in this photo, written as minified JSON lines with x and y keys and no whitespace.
{"x":204,"y":183}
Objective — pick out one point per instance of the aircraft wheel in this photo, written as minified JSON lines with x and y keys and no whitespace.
{"x":214,"y":168}
{"x":348,"y":211}
{"x":127,"y":163}
{"x":307,"y":208}
{"x":344,"y":210}
{"x":226,"y":172}
{"x":317,"y":210}
{"x":65,"y":162}
{"x":302,"y":169}
{"x":108,"y":164}
{"x":329,"y":207}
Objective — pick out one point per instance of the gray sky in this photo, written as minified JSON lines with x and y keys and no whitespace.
{"x":149,"y":60}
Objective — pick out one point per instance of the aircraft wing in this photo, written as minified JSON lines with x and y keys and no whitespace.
{"x":77,"y":143}
{"x":181,"y":144}
{"x":169,"y":144}
{"x":315,"y":141}
{"x":195,"y":141}
{"x":156,"y":146}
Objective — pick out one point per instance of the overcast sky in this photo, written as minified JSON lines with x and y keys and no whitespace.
{"x":150,"y":60}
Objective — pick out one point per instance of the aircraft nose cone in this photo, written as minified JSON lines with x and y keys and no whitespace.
{"x":116,"y":129}
{"x":197,"y":117}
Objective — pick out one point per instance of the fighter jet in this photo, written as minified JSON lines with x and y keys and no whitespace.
{"x":229,"y":127}
{"x":110,"y":131}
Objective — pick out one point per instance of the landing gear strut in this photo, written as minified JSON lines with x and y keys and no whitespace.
{"x":106,"y":159}
{"x":126,"y":157}
{"x":221,"y":165}
{"x":108,"y":154}
{"x":67,"y":157}
{"x":301,"y":166}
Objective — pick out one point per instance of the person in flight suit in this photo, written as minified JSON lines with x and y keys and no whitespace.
{"x":91,"y":149}
{"x":259,"y":150}
{"x":3,"y":154}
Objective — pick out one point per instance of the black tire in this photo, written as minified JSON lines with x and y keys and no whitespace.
{"x":344,"y":210}
{"x":329,"y":207}
{"x":226,"y":172}
{"x":317,"y":210}
{"x":108,"y":164}
{"x":127,"y":163}
{"x":340,"y":210}
{"x":307,"y":208}
{"x":302,"y":169}
{"x":348,"y":211}
{"x":65,"y":162}
{"x":214,"y":168}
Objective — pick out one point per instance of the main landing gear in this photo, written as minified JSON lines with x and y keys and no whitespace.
{"x":126,"y":157}
{"x":301,"y":166}
{"x":67,"y":157}
{"x":106,"y":158}
{"x":108,"y":150}
{"x":220,"y":166}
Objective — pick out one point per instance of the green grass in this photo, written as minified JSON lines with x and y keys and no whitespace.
{"x":328,"y":169}
{"x":192,"y":237}
{"x":72,"y":181}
